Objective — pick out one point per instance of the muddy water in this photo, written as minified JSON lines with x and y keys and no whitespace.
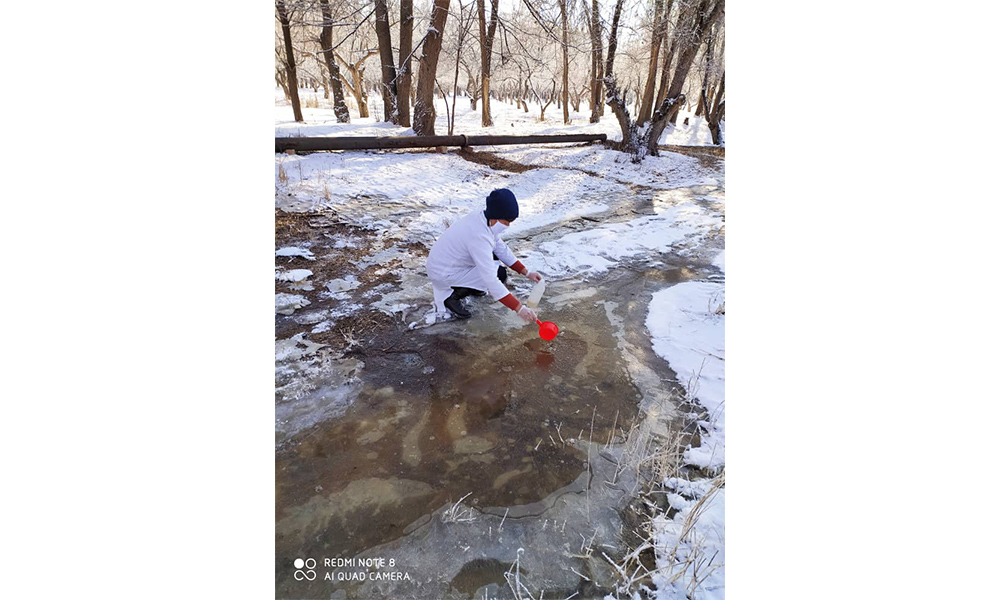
{"x":482,"y":408}
{"x":490,"y":410}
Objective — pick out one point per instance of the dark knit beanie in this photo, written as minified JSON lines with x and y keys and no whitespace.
{"x":501,"y":204}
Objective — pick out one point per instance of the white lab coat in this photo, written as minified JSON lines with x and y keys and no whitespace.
{"x":463,"y":257}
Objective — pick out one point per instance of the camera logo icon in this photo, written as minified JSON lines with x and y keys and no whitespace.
{"x":304,"y":569}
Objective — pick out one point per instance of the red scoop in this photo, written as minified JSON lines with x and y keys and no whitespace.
{"x":547,"y":330}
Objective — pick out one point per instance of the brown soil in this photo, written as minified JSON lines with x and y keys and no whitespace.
{"x":708,"y":156}
{"x":697,"y":151}
{"x":493,"y":161}
{"x":319,"y":231}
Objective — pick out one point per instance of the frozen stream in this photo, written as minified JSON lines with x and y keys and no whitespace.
{"x":530,"y":433}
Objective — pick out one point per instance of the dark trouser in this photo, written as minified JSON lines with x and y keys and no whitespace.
{"x":501,"y":271}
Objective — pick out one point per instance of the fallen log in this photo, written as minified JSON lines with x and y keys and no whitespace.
{"x":313,"y":144}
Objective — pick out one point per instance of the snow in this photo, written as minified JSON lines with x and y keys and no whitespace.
{"x":286,"y":304}
{"x":667,"y":171}
{"x":295,"y":347}
{"x":596,"y":250}
{"x":296,"y":278}
{"x":720,"y":261}
{"x":688,"y":333}
{"x":337,"y":288}
{"x":294,"y":251}
{"x":705,"y":541}
{"x":687,"y":327}
{"x":508,"y":119}
{"x":426,"y":191}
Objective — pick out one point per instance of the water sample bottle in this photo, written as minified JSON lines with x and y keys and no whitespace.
{"x":536,"y":294}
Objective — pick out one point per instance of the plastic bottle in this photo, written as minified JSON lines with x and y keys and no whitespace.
{"x":536,"y":294}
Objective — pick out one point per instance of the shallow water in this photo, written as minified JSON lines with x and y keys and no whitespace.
{"x":483,"y":408}
{"x":491,"y":417}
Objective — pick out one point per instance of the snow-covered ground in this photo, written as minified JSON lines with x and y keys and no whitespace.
{"x":426,"y":191}
{"x":507,"y":120}
{"x":687,"y":325}
{"x":595,"y":250}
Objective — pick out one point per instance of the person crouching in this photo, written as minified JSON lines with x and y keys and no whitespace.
{"x":464,"y":260}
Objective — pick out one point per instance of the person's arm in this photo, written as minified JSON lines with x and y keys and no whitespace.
{"x":507,"y":257}
{"x":483,"y":259}
{"x":497,"y":290}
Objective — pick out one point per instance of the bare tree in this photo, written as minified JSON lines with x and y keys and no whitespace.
{"x":404,"y":77}
{"x":692,"y":29}
{"x":472,"y":86}
{"x":423,"y":110}
{"x":486,"y":36}
{"x":385,"y":55}
{"x":293,"y":80}
{"x":668,"y":50}
{"x":717,"y":110}
{"x":357,"y":87}
{"x":464,"y":25}
{"x":281,"y":73}
{"x":552,"y":95}
{"x":654,"y":54}
{"x":638,"y":142}
{"x":596,"y":63}
{"x":326,"y":48}
{"x":613,"y":40}
{"x":565,"y":61}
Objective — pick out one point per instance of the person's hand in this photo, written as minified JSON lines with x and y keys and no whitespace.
{"x":527,"y":314}
{"x":535,"y":276}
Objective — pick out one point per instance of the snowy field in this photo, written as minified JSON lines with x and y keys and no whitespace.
{"x":585,"y":213}
{"x":507,"y":120}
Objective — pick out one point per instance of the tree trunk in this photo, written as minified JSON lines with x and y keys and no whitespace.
{"x":423,"y":110}
{"x":463,"y":29}
{"x":474,"y":89}
{"x":609,"y":67}
{"x":280,"y":75}
{"x":703,"y":98}
{"x":596,"y":64}
{"x":486,"y":36}
{"x":705,"y":17}
{"x":668,"y":49}
{"x":385,"y":55}
{"x":405,"y":63}
{"x":565,"y":53}
{"x":326,"y":42}
{"x":648,"y":95}
{"x":618,"y":103}
{"x":357,"y":87}
{"x":552,"y":94}
{"x":717,"y":112}
{"x":293,"y":80}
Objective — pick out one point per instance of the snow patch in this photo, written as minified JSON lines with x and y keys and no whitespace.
{"x":596,"y":250}
{"x":703,"y":544}
{"x":720,"y":261}
{"x":286,"y":304}
{"x":295,"y":251}
{"x":689,"y":332}
{"x":296,"y":278}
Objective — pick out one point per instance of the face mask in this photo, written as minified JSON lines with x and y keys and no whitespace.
{"x":498,"y":228}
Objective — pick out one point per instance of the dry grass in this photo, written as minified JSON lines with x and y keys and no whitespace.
{"x":655,"y":457}
{"x":459,"y":513}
